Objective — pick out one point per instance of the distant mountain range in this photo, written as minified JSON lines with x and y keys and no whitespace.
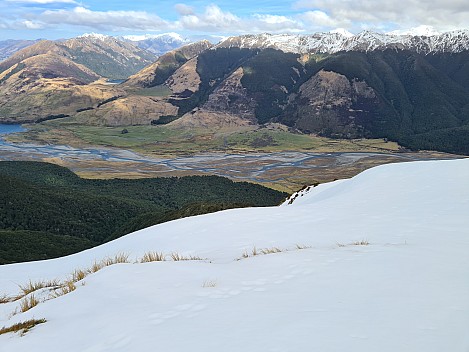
{"x":411,"y":89}
{"x":334,"y":42}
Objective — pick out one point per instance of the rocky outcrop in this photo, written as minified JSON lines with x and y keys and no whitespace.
{"x":232,"y":98}
{"x":332,"y":105}
{"x":185,"y":78}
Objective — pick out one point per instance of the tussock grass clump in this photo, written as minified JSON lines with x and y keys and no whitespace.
{"x":22,"y":327}
{"x":255,"y":252}
{"x":153,"y":257}
{"x":270,"y":250}
{"x":64,"y":289}
{"x":178,"y":257}
{"x":31,"y":287}
{"x":360,"y":243}
{"x":95,"y":267}
{"x":121,"y":258}
{"x":79,"y":275}
{"x":356,"y":243}
{"x":209,"y":283}
{"x":7,"y":299}
{"x":28,"y":302}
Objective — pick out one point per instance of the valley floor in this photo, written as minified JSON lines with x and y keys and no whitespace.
{"x":155,"y":151}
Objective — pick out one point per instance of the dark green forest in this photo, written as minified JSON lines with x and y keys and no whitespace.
{"x":48,"y":211}
{"x":421,"y":101}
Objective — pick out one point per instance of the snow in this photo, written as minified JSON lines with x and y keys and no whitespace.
{"x":420,"y":39}
{"x":406,"y":291}
{"x":168,"y":37}
{"x":95,"y":36}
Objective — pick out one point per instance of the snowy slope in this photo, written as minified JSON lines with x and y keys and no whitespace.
{"x":406,"y":291}
{"x":333,"y":42}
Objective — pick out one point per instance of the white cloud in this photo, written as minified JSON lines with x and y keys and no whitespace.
{"x":441,"y":14}
{"x":184,"y":9}
{"x":43,"y":2}
{"x":30,"y":25}
{"x":214,"y":19}
{"x":104,"y":20}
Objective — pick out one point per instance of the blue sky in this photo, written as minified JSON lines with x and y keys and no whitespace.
{"x":53,"y":19}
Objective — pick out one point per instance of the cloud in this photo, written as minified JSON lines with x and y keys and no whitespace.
{"x":104,"y":20}
{"x":184,"y":9}
{"x":319,"y":20}
{"x":43,"y":2}
{"x":214,"y":19}
{"x":441,"y":14}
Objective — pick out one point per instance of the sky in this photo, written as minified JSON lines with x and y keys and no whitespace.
{"x":54,"y":19}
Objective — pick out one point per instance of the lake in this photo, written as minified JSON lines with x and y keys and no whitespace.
{"x":6,"y":129}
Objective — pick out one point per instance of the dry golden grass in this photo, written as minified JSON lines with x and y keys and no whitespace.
{"x":121,"y":258}
{"x":178,"y":257}
{"x":255,"y":252}
{"x":272,"y":250}
{"x":66,"y":288}
{"x":356,"y":243}
{"x":302,"y":246}
{"x":31,"y":287}
{"x":7,"y":299}
{"x":153,"y":257}
{"x":209,"y":283}
{"x":79,"y":275}
{"x":361,"y":243}
{"x":95,"y":267}
{"x":22,"y":327}
{"x":28,"y":302}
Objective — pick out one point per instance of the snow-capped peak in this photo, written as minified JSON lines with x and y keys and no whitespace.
{"x":94,"y":36}
{"x":422,"y":39}
{"x":172,"y":36}
{"x":342,"y":31}
{"x":420,"y":31}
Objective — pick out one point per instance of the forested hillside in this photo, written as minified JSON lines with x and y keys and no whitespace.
{"x":41,"y":202}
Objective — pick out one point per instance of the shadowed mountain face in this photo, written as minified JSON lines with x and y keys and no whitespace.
{"x":416,"y":97}
{"x":419,"y":100}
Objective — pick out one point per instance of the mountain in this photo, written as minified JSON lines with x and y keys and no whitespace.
{"x":166,"y":65}
{"x":104,"y":55}
{"x":374,"y":263}
{"x":337,"y":41}
{"x":57,"y":79}
{"x":411,"y":89}
{"x":419,"y":100}
{"x":11,"y":46}
{"x":108,"y":56}
{"x":158,"y":44}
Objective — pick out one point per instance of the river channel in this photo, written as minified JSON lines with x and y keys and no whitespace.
{"x":291,"y":169}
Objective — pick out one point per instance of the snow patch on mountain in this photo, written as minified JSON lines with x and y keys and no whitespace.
{"x":168,"y":37}
{"x":422,"y":40}
{"x":95,"y":36}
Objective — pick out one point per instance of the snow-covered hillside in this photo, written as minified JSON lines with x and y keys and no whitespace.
{"x":375,"y":263}
{"x":333,"y":42}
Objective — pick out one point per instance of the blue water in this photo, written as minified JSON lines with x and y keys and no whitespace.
{"x":6,"y":129}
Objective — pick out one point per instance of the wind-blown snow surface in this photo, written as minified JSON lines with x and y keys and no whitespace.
{"x":408,"y":290}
